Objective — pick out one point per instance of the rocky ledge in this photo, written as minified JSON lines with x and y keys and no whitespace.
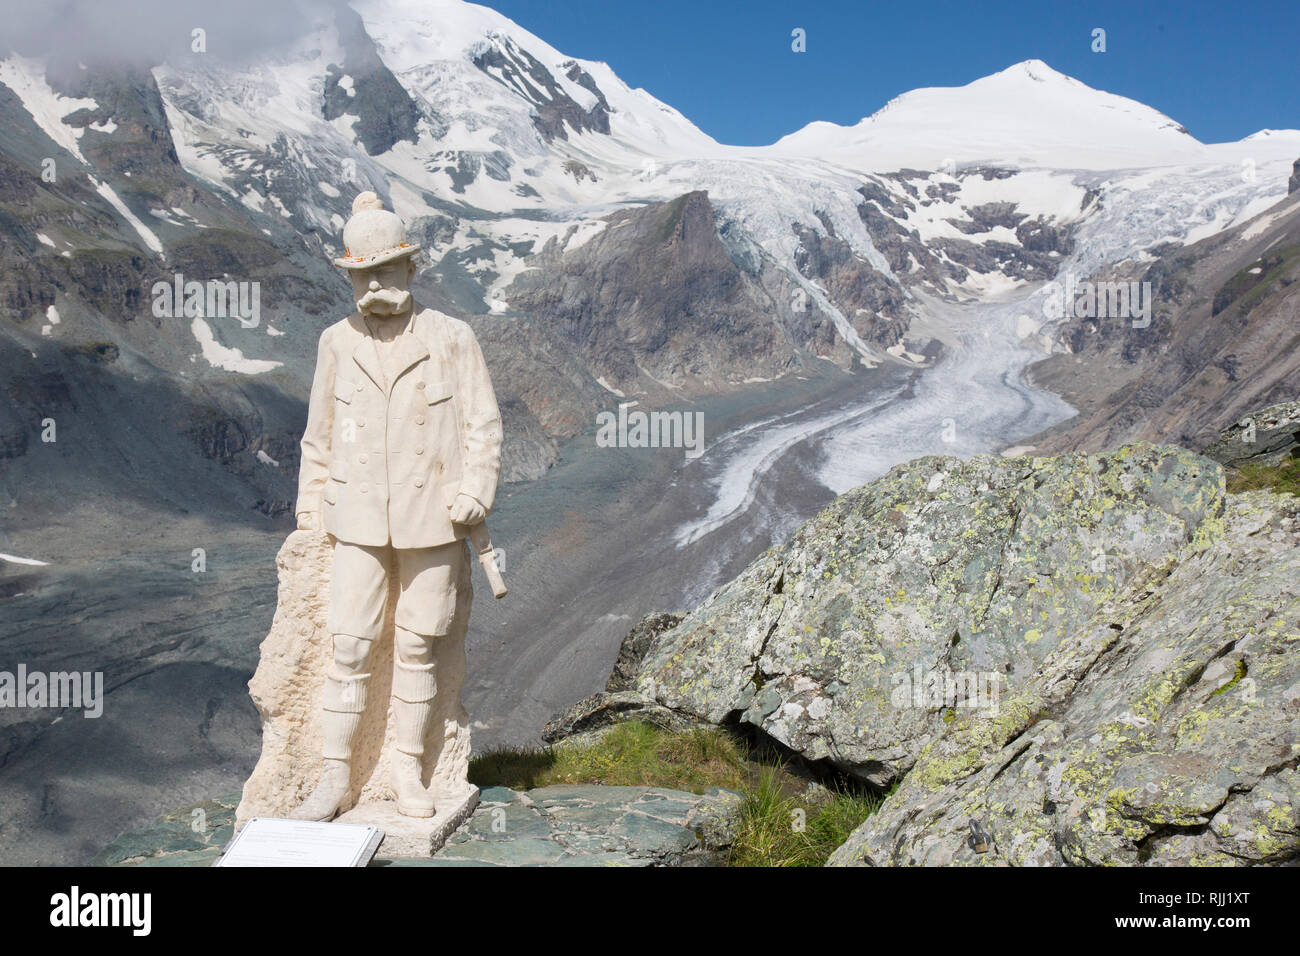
{"x":1267,"y":437}
{"x":1094,"y":658}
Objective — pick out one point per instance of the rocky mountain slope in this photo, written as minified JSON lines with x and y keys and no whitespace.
{"x":513,"y":162}
{"x":1224,"y":338}
{"x":1096,"y":657}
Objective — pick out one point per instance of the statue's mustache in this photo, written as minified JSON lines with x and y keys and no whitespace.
{"x":386,"y":301}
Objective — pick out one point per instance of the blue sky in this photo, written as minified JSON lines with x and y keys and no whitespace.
{"x":1224,"y":70}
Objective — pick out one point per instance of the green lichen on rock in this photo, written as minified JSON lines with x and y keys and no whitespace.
{"x":1174,"y":744}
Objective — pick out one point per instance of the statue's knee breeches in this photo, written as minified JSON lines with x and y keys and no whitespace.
{"x":358,"y":591}
{"x":433,"y":582}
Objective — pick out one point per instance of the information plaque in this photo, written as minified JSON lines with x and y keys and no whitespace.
{"x":265,"y":841}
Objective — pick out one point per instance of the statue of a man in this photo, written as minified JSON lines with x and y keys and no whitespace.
{"x":400,"y":460}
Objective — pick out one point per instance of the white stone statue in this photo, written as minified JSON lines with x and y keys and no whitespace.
{"x":400,"y":460}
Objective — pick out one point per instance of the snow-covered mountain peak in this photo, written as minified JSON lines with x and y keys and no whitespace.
{"x":1036,"y":71}
{"x":447,"y":38}
{"x":1289,"y":137}
{"x":1028,"y":114}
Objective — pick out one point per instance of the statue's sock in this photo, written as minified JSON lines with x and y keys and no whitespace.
{"x":344,"y":702}
{"x":414,"y":687}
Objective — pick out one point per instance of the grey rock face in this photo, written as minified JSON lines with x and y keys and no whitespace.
{"x":876,"y":303}
{"x":520,"y":70}
{"x":1164,"y":733}
{"x":655,"y":297}
{"x":1096,"y":657}
{"x":937,"y":262}
{"x":1218,"y":345}
{"x":385,"y":112}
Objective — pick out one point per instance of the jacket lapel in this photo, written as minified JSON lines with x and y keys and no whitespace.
{"x":410,"y":348}
{"x":364,"y":352}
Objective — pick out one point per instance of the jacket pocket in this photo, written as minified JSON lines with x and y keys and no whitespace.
{"x":435,"y":392}
{"x":339,"y":470}
{"x":331,"y":494}
{"x":344,"y":391}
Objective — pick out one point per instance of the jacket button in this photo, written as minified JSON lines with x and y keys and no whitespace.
{"x":362,"y":458}
{"x":419,"y":419}
{"x":361,"y":423}
{"x":419,"y":449}
{"x":419,"y":385}
{"x":419,"y":482}
{"x":364,"y":488}
{"x":360,"y":387}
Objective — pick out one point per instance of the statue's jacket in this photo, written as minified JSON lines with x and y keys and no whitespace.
{"x":382,"y":461}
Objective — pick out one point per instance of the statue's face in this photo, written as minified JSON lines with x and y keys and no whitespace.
{"x":382,"y":291}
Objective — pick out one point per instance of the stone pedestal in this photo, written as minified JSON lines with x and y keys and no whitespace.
{"x":412,"y":836}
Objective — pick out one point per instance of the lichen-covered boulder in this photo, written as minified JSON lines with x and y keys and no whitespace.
{"x":1164,"y":729}
{"x":1090,"y":659}
{"x":929,"y":596}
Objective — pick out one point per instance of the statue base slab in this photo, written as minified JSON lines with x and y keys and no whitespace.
{"x":414,"y":836}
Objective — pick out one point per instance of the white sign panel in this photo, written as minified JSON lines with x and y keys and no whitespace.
{"x":270,"y":842}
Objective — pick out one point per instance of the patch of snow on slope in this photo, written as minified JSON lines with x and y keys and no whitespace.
{"x":15,"y":559}
{"x":1258,"y":227}
{"x":148,"y":235}
{"x":224,"y":357}
{"x":26,"y":77}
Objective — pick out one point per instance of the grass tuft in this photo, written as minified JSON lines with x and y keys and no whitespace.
{"x":1284,"y":478}
{"x":630,"y":754}
{"x":780,"y":829}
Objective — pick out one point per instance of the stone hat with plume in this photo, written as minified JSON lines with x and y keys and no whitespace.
{"x":373,"y":235}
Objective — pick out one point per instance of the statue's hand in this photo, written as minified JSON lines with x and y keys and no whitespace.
{"x":467,"y":509}
{"x":309,"y":521}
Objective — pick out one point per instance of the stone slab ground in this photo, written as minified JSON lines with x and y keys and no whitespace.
{"x":565,"y":825}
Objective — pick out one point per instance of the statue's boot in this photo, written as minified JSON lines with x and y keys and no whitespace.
{"x":414,"y":688}
{"x":345,"y":700}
